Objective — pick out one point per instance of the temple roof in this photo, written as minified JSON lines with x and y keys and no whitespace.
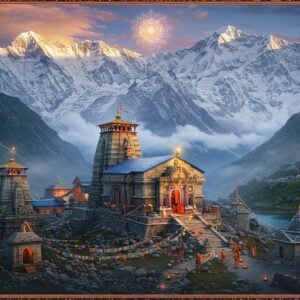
{"x":23,"y":237}
{"x":137,"y":165}
{"x":295,"y":222}
{"x":13,"y":165}
{"x":118,"y":120}
{"x":52,"y":202}
{"x":84,"y":180}
{"x":58,"y":185}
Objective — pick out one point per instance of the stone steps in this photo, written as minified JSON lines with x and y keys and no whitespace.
{"x":193,"y":226}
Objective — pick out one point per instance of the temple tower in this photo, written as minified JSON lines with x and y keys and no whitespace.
{"x":118,"y":142}
{"x":15,"y":197}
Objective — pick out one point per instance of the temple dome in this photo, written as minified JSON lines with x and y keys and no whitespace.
{"x":295,"y":222}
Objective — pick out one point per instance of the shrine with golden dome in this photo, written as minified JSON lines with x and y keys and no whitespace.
{"x":15,"y":197}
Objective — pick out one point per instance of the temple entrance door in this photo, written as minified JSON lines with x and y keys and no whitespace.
{"x":177,"y":201}
{"x":117,"y":197}
{"x":27,"y":256}
{"x":281,"y":252}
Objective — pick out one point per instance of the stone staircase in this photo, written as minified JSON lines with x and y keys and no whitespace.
{"x":199,"y":229}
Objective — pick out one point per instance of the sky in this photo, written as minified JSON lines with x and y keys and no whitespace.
{"x":117,"y":24}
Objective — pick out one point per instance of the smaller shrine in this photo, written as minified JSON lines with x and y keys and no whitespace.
{"x":241,"y":213}
{"x":49,"y":209}
{"x":82,"y":188}
{"x":15,"y":197}
{"x":23,"y":249}
{"x":287,"y":242}
{"x":58,"y":189}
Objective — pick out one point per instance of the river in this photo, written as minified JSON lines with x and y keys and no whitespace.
{"x":279,"y":220}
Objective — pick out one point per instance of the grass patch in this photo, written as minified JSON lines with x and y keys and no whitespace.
{"x":260,"y":246}
{"x":149,"y":262}
{"x":218,"y":278}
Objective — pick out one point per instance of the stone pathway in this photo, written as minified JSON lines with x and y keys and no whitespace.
{"x":200,"y":231}
{"x":194,"y":226}
{"x":255,"y":272}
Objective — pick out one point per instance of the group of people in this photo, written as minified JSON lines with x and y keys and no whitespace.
{"x":236,"y":254}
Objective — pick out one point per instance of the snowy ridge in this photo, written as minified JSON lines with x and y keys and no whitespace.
{"x":231,"y":82}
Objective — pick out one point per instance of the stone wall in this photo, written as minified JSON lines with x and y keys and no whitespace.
{"x":242,"y":222}
{"x":143,"y":226}
{"x":288,"y":250}
{"x":14,"y":254}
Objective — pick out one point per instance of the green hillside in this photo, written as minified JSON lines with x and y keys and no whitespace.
{"x":279,"y":191}
{"x":38,"y":146}
{"x":283,"y":148}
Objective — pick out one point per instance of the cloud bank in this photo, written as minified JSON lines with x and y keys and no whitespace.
{"x":74,"y":129}
{"x":62,"y":22}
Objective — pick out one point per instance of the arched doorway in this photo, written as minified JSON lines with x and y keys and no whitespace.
{"x":27,"y":256}
{"x":175,"y":200}
{"x":281,"y":252}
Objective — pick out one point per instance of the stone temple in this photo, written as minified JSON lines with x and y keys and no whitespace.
{"x":146,"y":191}
{"x":15,"y":198}
{"x":118,"y":142}
{"x":287,"y":242}
{"x":125,"y":180}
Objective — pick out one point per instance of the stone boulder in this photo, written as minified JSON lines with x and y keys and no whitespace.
{"x":140,"y":272}
{"x":124,"y":272}
{"x":290,"y":283}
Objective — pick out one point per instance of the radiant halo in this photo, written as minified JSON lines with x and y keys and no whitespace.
{"x":151,"y":30}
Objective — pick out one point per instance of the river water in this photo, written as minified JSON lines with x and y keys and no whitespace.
{"x":279,"y":220}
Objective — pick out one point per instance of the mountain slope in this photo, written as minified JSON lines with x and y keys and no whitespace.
{"x":282,"y":148}
{"x":38,"y":146}
{"x":230,"y":83}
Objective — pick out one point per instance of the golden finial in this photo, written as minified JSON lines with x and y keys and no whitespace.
{"x":118,"y":113}
{"x":177,"y":151}
{"x":12,"y":152}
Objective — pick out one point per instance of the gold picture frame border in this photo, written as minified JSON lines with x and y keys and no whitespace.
{"x":150,"y":296}
{"x":156,"y":2}
{"x":153,"y":296}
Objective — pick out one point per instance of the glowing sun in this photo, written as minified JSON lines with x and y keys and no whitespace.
{"x":151,"y":30}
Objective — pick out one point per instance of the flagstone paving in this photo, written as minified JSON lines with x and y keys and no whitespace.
{"x":200,"y":231}
{"x":252,"y":275}
{"x":256,"y":270}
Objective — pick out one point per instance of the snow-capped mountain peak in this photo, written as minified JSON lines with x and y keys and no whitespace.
{"x":276,"y":43}
{"x":97,"y":48}
{"x":229,"y":34}
{"x":28,"y":42}
{"x":239,"y":87}
{"x":23,"y":42}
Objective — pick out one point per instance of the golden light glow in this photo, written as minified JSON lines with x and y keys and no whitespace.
{"x":151,"y":30}
{"x":178,"y":151}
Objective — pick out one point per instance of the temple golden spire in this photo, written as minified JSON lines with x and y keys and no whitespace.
{"x":12,"y":152}
{"x":118,"y":112}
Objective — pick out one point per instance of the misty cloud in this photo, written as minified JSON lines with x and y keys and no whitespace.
{"x":186,"y":136}
{"x":76,"y":130}
{"x":84,"y":135}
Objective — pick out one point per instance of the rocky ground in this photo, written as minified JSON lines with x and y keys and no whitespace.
{"x":145,"y":274}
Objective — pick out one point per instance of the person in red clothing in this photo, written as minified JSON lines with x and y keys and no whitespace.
{"x":223,"y":256}
{"x":253,"y":250}
{"x":198,"y":261}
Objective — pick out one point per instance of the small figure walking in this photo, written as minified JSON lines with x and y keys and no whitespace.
{"x":236,"y":260}
{"x":198,"y":261}
{"x":253,"y":250}
{"x":223,"y":256}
